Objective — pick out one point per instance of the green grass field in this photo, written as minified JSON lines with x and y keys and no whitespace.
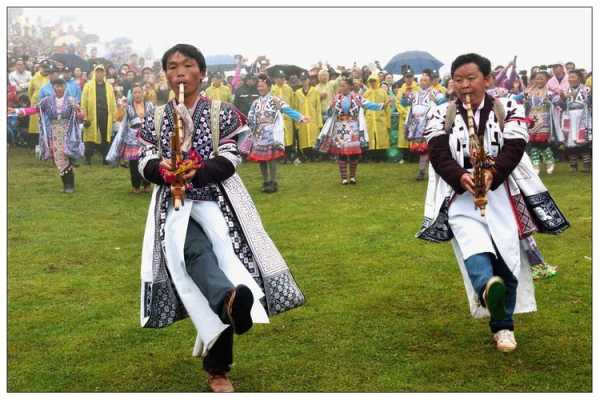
{"x":385,"y":312}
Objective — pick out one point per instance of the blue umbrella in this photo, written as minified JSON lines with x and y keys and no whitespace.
{"x":416,"y":60}
{"x":219,"y":59}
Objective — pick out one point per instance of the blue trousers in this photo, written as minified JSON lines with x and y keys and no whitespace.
{"x":481,"y":267}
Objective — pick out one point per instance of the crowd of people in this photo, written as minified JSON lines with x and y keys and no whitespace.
{"x":214,"y":251}
{"x":313,"y":114}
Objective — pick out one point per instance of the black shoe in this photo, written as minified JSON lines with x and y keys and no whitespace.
{"x":238,"y":304}
{"x":420,"y":175}
{"x":68,"y":182}
{"x":265,"y":187}
{"x":274,"y":186}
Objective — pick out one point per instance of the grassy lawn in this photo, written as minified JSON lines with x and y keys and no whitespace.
{"x":385,"y":312}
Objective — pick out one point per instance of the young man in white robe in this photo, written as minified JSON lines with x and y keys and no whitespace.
{"x":211,"y":259}
{"x":492,"y":249}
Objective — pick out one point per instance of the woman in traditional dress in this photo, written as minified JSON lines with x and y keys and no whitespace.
{"x":126,"y":145}
{"x":60,"y":134}
{"x":576,"y":122}
{"x":345,"y":132}
{"x":265,"y":144}
{"x":539,"y":109}
{"x":416,"y":119}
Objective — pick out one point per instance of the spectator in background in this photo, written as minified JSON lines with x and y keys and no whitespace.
{"x":78,"y":77}
{"x":162,"y":89}
{"x":218,"y":91}
{"x":133,"y":63}
{"x":246,"y":94}
{"x":33,"y":92}
{"x":128,"y":83}
{"x":47,"y":89}
{"x":20,"y":77}
{"x":72,"y":87}
{"x":570,"y":66}
{"x":326,"y":89}
{"x":307,"y":100}
{"x":149,"y":92}
{"x":99,"y":105}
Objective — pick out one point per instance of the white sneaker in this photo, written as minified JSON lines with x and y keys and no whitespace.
{"x":505,"y":340}
{"x":550,"y":168}
{"x":344,"y":181}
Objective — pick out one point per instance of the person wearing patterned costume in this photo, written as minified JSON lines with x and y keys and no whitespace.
{"x":576,"y":122}
{"x":492,"y":250}
{"x":211,"y":259}
{"x":125,"y":145}
{"x":265,"y":143}
{"x":421,"y":103}
{"x":60,"y":133}
{"x":538,"y":105}
{"x":345,"y":133}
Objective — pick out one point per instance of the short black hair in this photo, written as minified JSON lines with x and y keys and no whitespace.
{"x":578,"y":73}
{"x":349,"y":81}
{"x":484,"y":65}
{"x":265,"y":78}
{"x":187,"y":50}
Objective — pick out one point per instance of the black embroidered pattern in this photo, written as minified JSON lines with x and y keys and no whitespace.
{"x":546,"y":214}
{"x":439,"y":230}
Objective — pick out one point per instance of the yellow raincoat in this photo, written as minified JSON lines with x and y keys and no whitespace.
{"x":329,"y":89}
{"x":403,"y":112}
{"x":286,"y":93}
{"x":308,"y":105}
{"x":378,"y":122}
{"x":88,"y":106}
{"x":221,"y":93}
{"x":439,"y":88}
{"x":35,"y":85}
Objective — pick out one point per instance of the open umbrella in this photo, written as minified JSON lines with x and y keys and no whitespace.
{"x":287,"y":69}
{"x":220,"y":63}
{"x":416,"y":60}
{"x":66,"y":40}
{"x":72,"y":61}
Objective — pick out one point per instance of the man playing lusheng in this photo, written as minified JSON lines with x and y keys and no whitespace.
{"x":210,"y":260}
{"x":492,"y":250}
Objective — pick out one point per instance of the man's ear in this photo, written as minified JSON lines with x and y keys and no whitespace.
{"x":488,"y":80}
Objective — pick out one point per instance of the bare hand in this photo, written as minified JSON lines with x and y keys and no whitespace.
{"x":305,"y":120}
{"x":166,"y":164}
{"x":489,"y":177}
{"x":11,"y":110}
{"x":466,"y":181}
{"x":188,"y":176}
